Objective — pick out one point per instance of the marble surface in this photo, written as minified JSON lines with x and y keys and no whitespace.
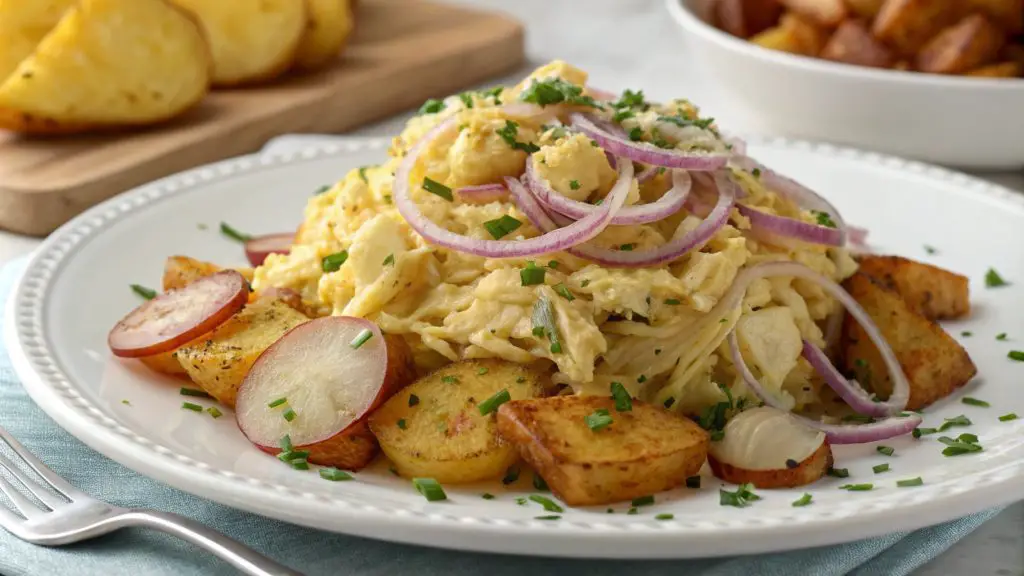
{"x":634,"y":44}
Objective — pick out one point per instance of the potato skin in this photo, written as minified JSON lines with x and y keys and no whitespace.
{"x":643,"y":451}
{"x":745,"y":18}
{"x":1000,"y":70}
{"x":807,"y":472}
{"x":933,"y":292}
{"x":852,"y":43}
{"x":906,"y":25}
{"x":970,"y":43}
{"x":934,"y":363}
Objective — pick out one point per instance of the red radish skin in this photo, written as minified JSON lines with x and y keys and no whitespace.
{"x":330,"y":385}
{"x":174,"y":318}
{"x":257,"y":249}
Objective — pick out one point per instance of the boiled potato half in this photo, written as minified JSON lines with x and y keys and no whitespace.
{"x":252,"y":41}
{"x":23,"y":24}
{"x":330,"y":24}
{"x":434,"y":427}
{"x":108,"y":63}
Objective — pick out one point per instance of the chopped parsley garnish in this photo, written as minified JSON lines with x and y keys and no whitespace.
{"x":802,"y":501}
{"x":824,"y":219}
{"x":742,"y":497}
{"x":857,"y":487}
{"x":564,"y":292}
{"x":630,"y":99}
{"x":623,"y":115}
{"x":449,"y":379}
{"x":1002,"y":337}
{"x":1008,"y":417}
{"x":501,"y":227}
{"x":289,"y":414}
{"x":880,"y":468}
{"x":1017,"y":355}
{"x":636,"y":134}
{"x":643,"y":501}
{"x":663,"y":516}
{"x":332,"y":262}
{"x":334,"y":475}
{"x":532,"y":275}
{"x":548,"y":504}
{"x":964,"y":444}
{"x":598,"y":420}
{"x":556,"y":91}
{"x":574,"y":184}
{"x":481,"y":371}
{"x":673,"y":301}
{"x":389,"y":261}
{"x":361,"y":338}
{"x":432,"y":106}
{"x":413,"y":400}
{"x":214,"y":412}
{"x":641,"y":379}
{"x":234,"y":234}
{"x":539,"y":483}
{"x":887,"y":450}
{"x":511,"y":475}
{"x":437,"y":189}
{"x":910,"y":482}
{"x":627,"y":247}
{"x":669,"y":402}
{"x":185,"y":391}
{"x":430,"y":489}
{"x":401,"y":424}
{"x":321,"y":189}
{"x":191,"y":406}
{"x":544,"y":322}
{"x":585,"y":283}
{"x":994,"y":280}
{"x":362,"y":174}
{"x":678,"y":120}
{"x":693,"y":481}
{"x":838,"y":472}
{"x":147,"y":293}
{"x":930,"y":249}
{"x":487,"y":496}
{"x":492,"y":403}
{"x":509,"y":132}
{"x":975,"y":402}
{"x":495,"y":92}
{"x":467,"y":99}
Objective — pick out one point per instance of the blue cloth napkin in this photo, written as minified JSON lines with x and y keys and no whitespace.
{"x":142,"y":552}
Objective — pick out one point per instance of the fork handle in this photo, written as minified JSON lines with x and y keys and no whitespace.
{"x":245,"y":559}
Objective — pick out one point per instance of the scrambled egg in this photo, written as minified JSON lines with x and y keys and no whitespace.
{"x":634,"y":326}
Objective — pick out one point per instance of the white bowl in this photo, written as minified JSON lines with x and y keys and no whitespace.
{"x":965,"y":122}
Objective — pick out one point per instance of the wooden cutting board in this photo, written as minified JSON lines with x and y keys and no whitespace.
{"x":402,"y":53}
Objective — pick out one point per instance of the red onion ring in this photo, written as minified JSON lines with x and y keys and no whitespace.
{"x":648,"y":173}
{"x":792,"y":228}
{"x":643,"y":152}
{"x":257,"y":249}
{"x":668,"y":204}
{"x":739,"y":145}
{"x":482,"y":194}
{"x":849,"y":390}
{"x":552,"y":241}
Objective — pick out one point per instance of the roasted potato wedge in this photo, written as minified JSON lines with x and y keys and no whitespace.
{"x":330,"y":24}
{"x":23,"y":24}
{"x":866,"y":9}
{"x":108,"y":63}
{"x":828,"y":13}
{"x":643,"y":451}
{"x":906,"y":25}
{"x":933,"y":292}
{"x":1007,"y":14}
{"x":219,"y":362}
{"x":445,"y":436}
{"x":745,"y":18}
{"x":1001,"y":70}
{"x":852,"y":43}
{"x":251,"y":41}
{"x":794,"y":34}
{"x":969,"y":44}
{"x":935,"y":364}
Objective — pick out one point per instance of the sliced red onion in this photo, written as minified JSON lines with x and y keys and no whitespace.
{"x":739,"y":145}
{"x":849,"y":390}
{"x":668,"y":204}
{"x":482,"y":194}
{"x":257,"y":249}
{"x":643,"y":152}
{"x":648,"y":173}
{"x":553,"y":241}
{"x":792,"y":228}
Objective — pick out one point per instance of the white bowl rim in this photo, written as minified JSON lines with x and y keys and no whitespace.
{"x":686,"y":18}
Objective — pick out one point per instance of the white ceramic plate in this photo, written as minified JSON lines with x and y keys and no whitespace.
{"x":77,"y":287}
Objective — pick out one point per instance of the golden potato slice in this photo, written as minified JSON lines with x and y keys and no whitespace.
{"x":852,"y":43}
{"x":166,"y":363}
{"x":1007,"y":14}
{"x":251,"y":41}
{"x":219,"y":362}
{"x":745,"y":18}
{"x":643,"y":451}
{"x":180,"y":271}
{"x":827,"y":13}
{"x":794,"y":34}
{"x":433,"y":428}
{"x":23,"y":24}
{"x":906,"y":25}
{"x":330,"y":24}
{"x":802,"y":473}
{"x":933,"y":292}
{"x":866,"y":9}
{"x":935,"y":364}
{"x":1000,"y":70}
{"x":971,"y":43}
{"x":108,"y":63}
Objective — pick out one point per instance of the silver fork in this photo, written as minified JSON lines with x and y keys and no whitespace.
{"x":82,"y":517}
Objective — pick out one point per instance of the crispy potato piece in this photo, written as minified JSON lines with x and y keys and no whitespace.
{"x":827,"y":13}
{"x":251,"y":41}
{"x":180,"y":271}
{"x":795,"y":35}
{"x":166,"y":363}
{"x":852,"y":43}
{"x":108,"y":63}
{"x":745,"y":18}
{"x":866,"y":9}
{"x":972,"y":42}
{"x":445,"y":436}
{"x":933,"y":292}
{"x":935,"y":364}
{"x":906,"y":25}
{"x":807,"y":472}
{"x":329,"y":27}
{"x":1007,"y":14}
{"x":352,"y":449}
{"x":219,"y":362}
{"x":643,"y":451}
{"x":1014,"y":53}
{"x":23,"y":25}
{"x":1000,"y":70}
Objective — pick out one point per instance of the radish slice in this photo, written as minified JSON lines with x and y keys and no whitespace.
{"x":176,"y":317}
{"x":257,"y":249}
{"x":331,"y":372}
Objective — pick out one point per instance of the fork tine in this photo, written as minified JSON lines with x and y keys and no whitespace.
{"x":27,"y":508}
{"x":55,"y":481}
{"x":33,"y":486}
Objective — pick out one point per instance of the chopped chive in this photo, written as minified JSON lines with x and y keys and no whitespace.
{"x":564,"y":292}
{"x":501,"y":227}
{"x":838,"y":472}
{"x":880,"y":468}
{"x":481,"y":371}
{"x":887,"y":450}
{"x":641,"y":379}
{"x":930,"y":249}
{"x":332,"y":262}
{"x":401,"y":424}
{"x":234,"y":234}
{"x":967,"y":333}
{"x":948,"y":423}
{"x":669,"y":402}
{"x":191,"y":406}
{"x":362,"y":174}
{"x":742,"y":497}
{"x":277,"y":402}
{"x":521,"y":501}
{"x":467,"y":99}
{"x":334,"y":475}
{"x":532,"y":275}
{"x":361,"y":338}
{"x":548,"y":504}
{"x":802,"y":501}
{"x":430,"y":489}
{"x":289,"y":414}
{"x":598,"y":419}
{"x":147,"y":293}
{"x":610,"y":511}
{"x":299,"y":464}
{"x":393,"y":470}
{"x":389,"y":261}
{"x":492,"y":403}
{"x":623,"y":401}
{"x":449,"y":379}
{"x":553,"y":264}
{"x":858,"y":418}
{"x":321,"y":189}
{"x":432,"y":106}
{"x":673,"y":301}
{"x":413,"y":400}
{"x":857,"y":487}
{"x":520,"y":380}
{"x":643,"y":501}
{"x":693,"y":481}
{"x":663,"y":516}
{"x":918,"y":432}
{"x":1001,"y":336}
{"x":539,"y":483}
{"x":126,"y":403}
{"x":993,"y":279}
{"x":214,"y":411}
{"x":633,"y":511}
{"x":1008,"y":417}
{"x":909,"y":482}
{"x":511,"y":475}
{"x":964,"y":444}
{"x":1017,"y":355}
{"x":975,"y":402}
{"x":286,"y":443}
{"x":717,"y":435}
{"x":585,"y":283}
{"x":548,"y":517}
{"x":574,"y":184}
{"x":185,"y":391}
{"x":487,"y":496}
{"x":438,"y":189}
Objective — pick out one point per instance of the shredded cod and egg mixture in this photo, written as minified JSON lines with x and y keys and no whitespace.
{"x":355,"y":255}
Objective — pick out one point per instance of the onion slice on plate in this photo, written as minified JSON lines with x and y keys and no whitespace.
{"x":179,"y":316}
{"x":643,"y":152}
{"x":257,"y":249}
{"x":792,"y":228}
{"x":482,"y":194}
{"x":849,"y":390}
